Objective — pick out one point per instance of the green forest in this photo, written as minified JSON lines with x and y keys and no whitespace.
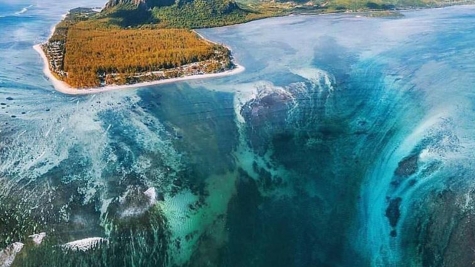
{"x":92,"y":50}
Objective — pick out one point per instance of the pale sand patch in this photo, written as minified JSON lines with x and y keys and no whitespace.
{"x":84,"y":244}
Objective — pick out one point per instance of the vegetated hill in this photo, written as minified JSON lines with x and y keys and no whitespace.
{"x":179,"y":13}
{"x":145,"y":4}
{"x":203,"y":13}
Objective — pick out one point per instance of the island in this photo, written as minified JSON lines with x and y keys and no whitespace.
{"x":142,"y":42}
{"x":125,"y":45}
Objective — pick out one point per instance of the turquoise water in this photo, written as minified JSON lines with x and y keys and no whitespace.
{"x":346,"y":142}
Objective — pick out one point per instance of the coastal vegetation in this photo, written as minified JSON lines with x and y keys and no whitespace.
{"x":88,"y":50}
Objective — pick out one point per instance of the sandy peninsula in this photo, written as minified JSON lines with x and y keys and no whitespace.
{"x":65,"y":88}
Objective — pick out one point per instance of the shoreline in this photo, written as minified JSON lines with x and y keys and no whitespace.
{"x":65,"y":88}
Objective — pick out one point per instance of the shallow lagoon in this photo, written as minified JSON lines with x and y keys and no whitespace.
{"x":346,"y":142}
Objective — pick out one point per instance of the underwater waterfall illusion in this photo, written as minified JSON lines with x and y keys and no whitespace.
{"x":348,"y":141}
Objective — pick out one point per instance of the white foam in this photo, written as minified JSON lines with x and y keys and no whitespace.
{"x":105,"y":205}
{"x":321,"y":78}
{"x":152,"y":194}
{"x":7,"y":256}
{"x":38,"y":238}
{"x":23,"y":10}
{"x":84,"y":244}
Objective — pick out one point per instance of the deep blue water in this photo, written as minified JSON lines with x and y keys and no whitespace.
{"x":348,"y":141}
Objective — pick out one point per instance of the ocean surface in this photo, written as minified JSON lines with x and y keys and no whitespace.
{"x":348,"y":141}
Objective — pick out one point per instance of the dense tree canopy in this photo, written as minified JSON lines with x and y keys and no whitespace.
{"x":94,"y":51}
